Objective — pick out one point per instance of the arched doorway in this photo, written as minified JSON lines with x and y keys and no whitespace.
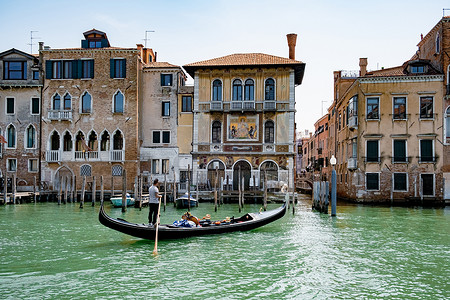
{"x":244,"y":168}
{"x":65,"y":175}
{"x":269,"y":169}
{"x":212,"y":172}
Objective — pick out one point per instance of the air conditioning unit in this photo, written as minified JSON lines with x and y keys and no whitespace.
{"x":352,"y":163}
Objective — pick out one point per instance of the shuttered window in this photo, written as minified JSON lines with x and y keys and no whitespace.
{"x":399,"y":151}
{"x":372,"y":181}
{"x":372,"y":151}
{"x":426,"y":151}
{"x":400,"y":182}
{"x":118,"y":68}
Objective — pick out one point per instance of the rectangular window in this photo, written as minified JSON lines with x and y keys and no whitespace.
{"x":399,"y":109}
{"x":166,"y":79}
{"x":426,"y":151}
{"x":372,"y":181}
{"x":156,"y":137}
{"x":417,"y":69}
{"x":13,"y":70}
{"x":427,"y":184}
{"x":373,"y":112}
{"x":118,"y":68}
{"x":87,"y":68}
{"x":399,"y":151}
{"x":67,"y":69}
{"x":372,"y":151}
{"x":400,"y":182}
{"x":35,"y":75}
{"x":166,"y":137}
{"x":426,"y":107}
{"x":165,"y":109}
{"x":155,"y":166}
{"x":56,"y":69}
{"x":165,"y":166}
{"x":35,"y":106}
{"x":11,"y":165}
{"x":186,"y":104}
{"x":32,"y":165}
{"x":10,"y":106}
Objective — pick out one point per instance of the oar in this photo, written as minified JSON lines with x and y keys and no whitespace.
{"x":155,"y":251}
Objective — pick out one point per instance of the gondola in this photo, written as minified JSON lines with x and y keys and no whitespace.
{"x":246,"y":222}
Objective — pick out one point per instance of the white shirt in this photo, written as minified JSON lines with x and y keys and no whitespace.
{"x":152,"y":192}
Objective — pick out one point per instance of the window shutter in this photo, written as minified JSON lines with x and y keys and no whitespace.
{"x":124,"y":69}
{"x":111,"y":67}
{"x":79,"y":67}
{"x":91,"y":62}
{"x":75,"y":73}
{"x":162,"y":80}
{"x":372,"y":150}
{"x":84,"y":44}
{"x":48,"y":69}
{"x":104,"y":43}
{"x":399,"y":149}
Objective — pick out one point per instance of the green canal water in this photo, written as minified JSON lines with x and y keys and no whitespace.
{"x":63,"y":252}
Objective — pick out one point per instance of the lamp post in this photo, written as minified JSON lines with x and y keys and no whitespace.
{"x":333,"y":186}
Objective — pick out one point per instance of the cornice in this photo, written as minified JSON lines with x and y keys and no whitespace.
{"x":388,"y":79}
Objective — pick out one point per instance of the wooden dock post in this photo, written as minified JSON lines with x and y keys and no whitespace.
{"x":136,"y":188}
{"x":60,"y":190}
{"x":141,"y":184}
{"x":165,"y":190}
{"x":112,"y":186}
{"x":189,"y":188}
{"x":124,"y":191}
{"x":102,"y":191}
{"x":243,"y":191}
{"x":5,"y":189}
{"x":14,"y":188}
{"x":34,"y":190}
{"x":215,"y":188}
{"x":74,"y":190}
{"x":94,"y":190}
{"x":265,"y":190}
{"x":175,"y":188}
{"x":83,"y":190}
{"x":66,"y":187}
{"x":221,"y":190}
{"x":239,"y":189}
{"x":196,"y":188}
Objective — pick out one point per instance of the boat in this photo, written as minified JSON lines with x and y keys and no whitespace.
{"x":117,"y":200}
{"x":168,"y":231}
{"x":182,"y":202}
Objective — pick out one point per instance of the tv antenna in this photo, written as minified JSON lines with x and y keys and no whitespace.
{"x":146,"y":39}
{"x":31,"y":40}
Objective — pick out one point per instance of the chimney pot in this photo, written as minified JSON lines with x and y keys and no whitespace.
{"x":362,"y":66}
{"x":292,"y":41}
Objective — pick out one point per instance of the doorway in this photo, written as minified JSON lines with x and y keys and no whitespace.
{"x":244,"y":168}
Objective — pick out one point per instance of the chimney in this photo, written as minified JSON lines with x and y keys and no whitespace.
{"x":292,"y":40}
{"x":139,"y":48}
{"x":362,"y":66}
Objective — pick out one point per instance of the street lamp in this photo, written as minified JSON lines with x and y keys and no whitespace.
{"x":333,"y":186}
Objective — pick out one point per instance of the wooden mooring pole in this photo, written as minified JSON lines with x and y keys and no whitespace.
{"x":102,"y":191}
{"x":83,"y":191}
{"x":215,"y":189}
{"x":124,"y":191}
{"x":14,"y":188}
{"x":239,"y":189}
{"x":94,"y":190}
{"x":165,"y":190}
{"x":5,"y":189}
{"x":265,"y":190}
{"x":60,"y":189}
{"x":74,"y":190}
{"x":66,"y":188}
{"x":141,"y":183}
{"x":34,"y":190}
{"x":189,"y":188}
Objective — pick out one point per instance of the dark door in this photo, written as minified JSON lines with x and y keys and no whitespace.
{"x":245,"y":172}
{"x":427,"y":184}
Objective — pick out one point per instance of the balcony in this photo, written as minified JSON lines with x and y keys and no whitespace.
{"x":116,"y":155}
{"x":216,"y":106}
{"x":60,"y":115}
{"x":270,"y":105}
{"x":352,"y":163}
{"x":353,"y":122}
{"x":52,"y":156}
{"x":86,"y":155}
{"x":242,"y":105}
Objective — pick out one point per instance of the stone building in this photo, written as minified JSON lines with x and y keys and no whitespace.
{"x":387,"y":125}
{"x":160,"y":85}
{"x":90,"y":113}
{"x":20,"y":101}
{"x":244,"y":107}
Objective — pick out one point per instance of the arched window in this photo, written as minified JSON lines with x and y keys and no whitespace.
{"x":86,"y":103}
{"x":117,"y":140}
{"x":67,"y":144}
{"x":217,"y":90}
{"x":216,"y":130}
{"x":269,"y":132}
{"x":79,"y":141}
{"x":249,"y":90}
{"x":67,"y":102}
{"x":86,"y":170}
{"x":118,"y":102}
{"x":93,"y":141}
{"x":11,"y":136}
{"x":269,"y":169}
{"x":56,"y":102}
{"x":447,"y":124}
{"x":54,"y":141}
{"x":270,"y":89}
{"x":237,"y":89}
{"x":31,"y":137}
{"x":104,"y":143}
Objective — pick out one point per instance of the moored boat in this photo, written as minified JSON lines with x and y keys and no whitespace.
{"x":117,"y":200}
{"x":246,"y":222}
{"x":183,"y":202}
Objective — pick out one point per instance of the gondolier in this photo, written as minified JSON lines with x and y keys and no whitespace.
{"x":153,"y":202}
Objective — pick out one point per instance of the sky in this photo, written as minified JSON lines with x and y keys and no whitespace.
{"x":332,"y":35}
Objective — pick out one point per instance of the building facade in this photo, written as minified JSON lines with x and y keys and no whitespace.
{"x":90,"y":113}
{"x":20,"y":113}
{"x":244,"y":125}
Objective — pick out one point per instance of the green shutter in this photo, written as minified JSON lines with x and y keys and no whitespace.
{"x":111,"y":67}
{"x":372,"y":150}
{"x":104,"y":43}
{"x":75,"y":73}
{"x":399,"y":150}
{"x":84,"y":44}
{"x":426,"y":150}
{"x":48,"y":69}
{"x":92,"y":68}
{"x":124,"y":69}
